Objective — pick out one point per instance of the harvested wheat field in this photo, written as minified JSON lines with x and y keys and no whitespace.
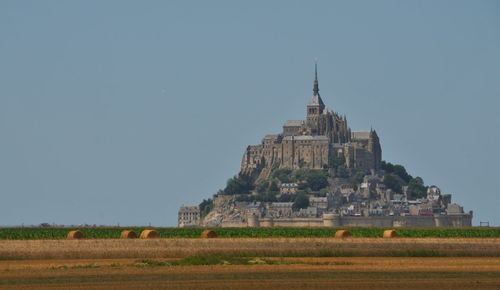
{"x":246,"y":263}
{"x":286,"y":273}
{"x":306,"y":247}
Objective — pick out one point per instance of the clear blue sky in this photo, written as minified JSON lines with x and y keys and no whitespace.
{"x":121,"y":111}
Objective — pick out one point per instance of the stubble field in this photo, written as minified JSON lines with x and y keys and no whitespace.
{"x":244,"y":263}
{"x":248,"y":247}
{"x":289,"y":273}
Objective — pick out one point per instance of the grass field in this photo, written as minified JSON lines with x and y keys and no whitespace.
{"x":110,"y":233}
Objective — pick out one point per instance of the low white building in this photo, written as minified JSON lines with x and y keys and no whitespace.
{"x":189,"y":216}
{"x":289,"y":188}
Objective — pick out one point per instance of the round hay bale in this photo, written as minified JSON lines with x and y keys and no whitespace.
{"x":390,"y":234}
{"x":208,"y":234}
{"x":343,"y":234}
{"x":149,"y":234}
{"x":74,"y":235}
{"x":128,"y":235}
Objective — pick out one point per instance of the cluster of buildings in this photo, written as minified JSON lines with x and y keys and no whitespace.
{"x":344,"y":204}
{"x":311,"y":144}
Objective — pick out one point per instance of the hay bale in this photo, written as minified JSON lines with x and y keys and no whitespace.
{"x":74,"y":235}
{"x":208,"y":234}
{"x":149,"y":234}
{"x":343,"y":234}
{"x":128,"y":235}
{"x":390,"y":234}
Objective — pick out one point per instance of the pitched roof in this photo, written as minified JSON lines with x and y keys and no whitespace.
{"x":316,"y":100}
{"x":306,"y":138}
{"x":271,"y":136}
{"x":282,"y":204}
{"x":360,"y":135}
{"x":294,"y":123}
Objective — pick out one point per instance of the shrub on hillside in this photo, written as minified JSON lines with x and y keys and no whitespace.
{"x":301,"y":201}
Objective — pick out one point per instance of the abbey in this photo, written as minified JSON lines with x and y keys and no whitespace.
{"x":319,"y":173}
{"x":312,"y":142}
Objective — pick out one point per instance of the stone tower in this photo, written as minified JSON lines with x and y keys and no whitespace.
{"x":315,"y":107}
{"x":310,"y":143}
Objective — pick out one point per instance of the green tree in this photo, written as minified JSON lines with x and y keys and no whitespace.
{"x":393,"y":183}
{"x":286,"y":198}
{"x":266,"y":197}
{"x":301,"y":201}
{"x":323,"y":192}
{"x":206,"y":206}
{"x":342,"y":172}
{"x":357,"y":175}
{"x":300,"y":174}
{"x":282,"y":175}
{"x":274,"y":187}
{"x":233,"y":186}
{"x":397,"y":169}
{"x":317,"y":179}
{"x":416,"y":187}
{"x":262,"y":186}
{"x":240,"y":184}
{"x":400,"y":171}
{"x":335,"y":161}
{"x":388,"y":167}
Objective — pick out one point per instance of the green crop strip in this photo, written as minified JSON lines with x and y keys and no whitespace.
{"x":277,"y":232}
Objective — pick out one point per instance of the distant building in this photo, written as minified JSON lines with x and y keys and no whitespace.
{"x":310,"y":143}
{"x":289,"y":188}
{"x":355,"y":192}
{"x":189,"y":216}
{"x":319,"y":202}
{"x":454,"y":209}
{"x":280,"y":209}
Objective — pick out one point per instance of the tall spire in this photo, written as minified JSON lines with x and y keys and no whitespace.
{"x":316,"y":85}
{"x":316,"y":99}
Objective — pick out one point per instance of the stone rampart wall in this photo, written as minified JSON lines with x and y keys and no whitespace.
{"x":464,"y":220}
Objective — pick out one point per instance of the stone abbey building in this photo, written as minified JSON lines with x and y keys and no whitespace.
{"x":362,"y":195}
{"x":309,"y":143}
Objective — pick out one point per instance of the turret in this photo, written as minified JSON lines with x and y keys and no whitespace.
{"x":374,"y":147}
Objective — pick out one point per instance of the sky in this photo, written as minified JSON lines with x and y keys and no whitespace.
{"x":119,"y":112}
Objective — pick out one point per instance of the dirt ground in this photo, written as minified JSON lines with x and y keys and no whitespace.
{"x":294,"y":273}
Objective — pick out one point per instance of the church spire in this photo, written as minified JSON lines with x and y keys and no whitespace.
{"x":316,"y":85}
{"x":316,"y":99}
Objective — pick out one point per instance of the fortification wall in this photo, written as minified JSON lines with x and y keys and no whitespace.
{"x":299,"y":222}
{"x":464,"y":220}
{"x":454,"y":221}
{"x":374,"y":221}
{"x":329,"y":220}
{"x":226,"y":224}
